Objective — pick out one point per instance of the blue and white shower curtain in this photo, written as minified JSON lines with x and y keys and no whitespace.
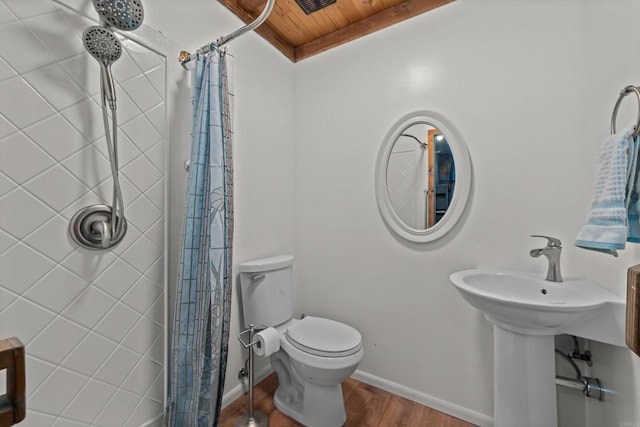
{"x":200,"y":335}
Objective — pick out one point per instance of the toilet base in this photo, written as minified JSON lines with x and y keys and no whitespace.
{"x":320,"y":407}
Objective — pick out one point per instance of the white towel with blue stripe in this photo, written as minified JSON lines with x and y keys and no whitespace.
{"x":607,"y":228}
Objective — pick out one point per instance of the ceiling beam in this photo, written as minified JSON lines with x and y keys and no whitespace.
{"x":387,"y":17}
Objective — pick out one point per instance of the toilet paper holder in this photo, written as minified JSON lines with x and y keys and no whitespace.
{"x":251,"y":418}
{"x":251,"y":331}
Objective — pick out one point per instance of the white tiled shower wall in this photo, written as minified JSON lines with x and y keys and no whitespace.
{"x":92,"y":321}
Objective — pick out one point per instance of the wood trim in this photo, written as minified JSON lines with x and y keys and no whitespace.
{"x":13,"y":404}
{"x":248,"y":11}
{"x":431,"y":186}
{"x":387,"y":17}
{"x":632,"y":335}
{"x":264,"y":30}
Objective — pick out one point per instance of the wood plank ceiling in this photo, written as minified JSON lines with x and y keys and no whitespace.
{"x":299,"y":36}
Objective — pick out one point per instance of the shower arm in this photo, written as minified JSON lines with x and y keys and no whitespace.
{"x":422,"y":144}
{"x":184,"y":57}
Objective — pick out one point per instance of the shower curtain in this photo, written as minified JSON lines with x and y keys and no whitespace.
{"x":200,"y":335}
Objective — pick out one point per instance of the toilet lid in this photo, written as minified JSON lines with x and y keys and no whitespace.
{"x":324,"y":337}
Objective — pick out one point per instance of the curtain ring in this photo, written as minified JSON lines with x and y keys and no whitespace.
{"x":623,"y":93}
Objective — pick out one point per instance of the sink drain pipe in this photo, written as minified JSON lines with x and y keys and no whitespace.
{"x":590,"y":387}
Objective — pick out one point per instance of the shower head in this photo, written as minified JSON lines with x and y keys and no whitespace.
{"x":105,"y":47}
{"x":102,"y":44}
{"x":125,"y":15}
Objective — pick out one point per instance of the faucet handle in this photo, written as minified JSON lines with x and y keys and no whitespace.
{"x":552,"y":242}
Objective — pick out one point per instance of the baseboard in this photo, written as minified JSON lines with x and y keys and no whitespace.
{"x":449,"y":408}
{"x":241,"y":389}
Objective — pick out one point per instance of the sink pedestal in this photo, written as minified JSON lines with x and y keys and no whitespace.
{"x":524,"y":379}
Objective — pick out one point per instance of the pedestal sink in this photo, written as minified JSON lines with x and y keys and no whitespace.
{"x":527,"y":311}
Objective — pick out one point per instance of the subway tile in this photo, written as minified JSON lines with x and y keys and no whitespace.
{"x":142,"y":254}
{"x":6,"y":128}
{"x":57,"y":340}
{"x":142,"y":92}
{"x":56,"y":86}
{"x":21,"y":104}
{"x":52,"y":30}
{"x":142,"y":295}
{"x":57,"y":391}
{"x":38,"y":370}
{"x":6,"y":298}
{"x":57,"y":137}
{"x":157,"y":116}
{"x":117,"y":279}
{"x":90,"y":354}
{"x":145,"y":411}
{"x":117,"y":366}
{"x":21,"y":159}
{"x":22,"y":213}
{"x":6,"y":185}
{"x":89,"y":402}
{"x":142,"y":376}
{"x":142,"y":336}
{"x":15,"y":40}
{"x":21,"y":267}
{"x":89,"y":307}
{"x":117,"y":323}
{"x":143,"y":214}
{"x":86,"y":117}
{"x":6,"y":241}
{"x":157,"y":79}
{"x":142,"y":133}
{"x":118,"y":410}
{"x":6,"y":15}
{"x":56,"y":187}
{"x":24,"y":320}
{"x":85,"y":71}
{"x":52,"y":239}
{"x":56,"y":289}
{"x":5,"y":71}
{"x":25,"y":9}
{"x":156,"y":155}
{"x":37,"y":419}
{"x":142,"y":173}
{"x":89,"y":166}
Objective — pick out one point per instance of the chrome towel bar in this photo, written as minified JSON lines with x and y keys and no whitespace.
{"x":623,"y":93}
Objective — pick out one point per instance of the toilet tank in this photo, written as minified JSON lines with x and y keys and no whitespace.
{"x":267,"y":290}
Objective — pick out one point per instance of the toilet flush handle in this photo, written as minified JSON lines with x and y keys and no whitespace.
{"x":257,"y":277}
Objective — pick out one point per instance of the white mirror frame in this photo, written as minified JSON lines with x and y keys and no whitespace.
{"x":462,"y":163}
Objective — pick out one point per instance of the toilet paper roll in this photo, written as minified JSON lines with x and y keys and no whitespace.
{"x":268,"y":342}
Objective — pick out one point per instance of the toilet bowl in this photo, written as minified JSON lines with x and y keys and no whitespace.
{"x":315,"y":355}
{"x":309,"y":377}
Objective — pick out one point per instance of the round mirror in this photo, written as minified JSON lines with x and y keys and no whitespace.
{"x":423,"y":177}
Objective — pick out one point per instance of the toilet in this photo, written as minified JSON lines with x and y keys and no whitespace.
{"x":315,"y":354}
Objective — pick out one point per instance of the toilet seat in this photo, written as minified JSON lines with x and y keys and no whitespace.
{"x":324,"y":337}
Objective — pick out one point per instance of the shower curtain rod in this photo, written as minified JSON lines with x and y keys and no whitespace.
{"x":184,"y":57}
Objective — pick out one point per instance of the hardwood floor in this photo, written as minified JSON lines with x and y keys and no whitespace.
{"x":366,"y":406}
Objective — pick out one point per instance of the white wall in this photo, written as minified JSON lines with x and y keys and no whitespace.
{"x":263,"y":144}
{"x":92,"y":321}
{"x":530,"y":86}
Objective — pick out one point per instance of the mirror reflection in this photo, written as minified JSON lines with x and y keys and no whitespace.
{"x":421,"y":176}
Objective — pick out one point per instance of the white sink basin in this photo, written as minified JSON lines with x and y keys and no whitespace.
{"x":525,"y":303}
{"x":526,"y":312}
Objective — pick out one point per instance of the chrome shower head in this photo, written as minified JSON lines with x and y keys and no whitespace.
{"x":125,"y":15}
{"x":105,"y":47}
{"x":102,"y":44}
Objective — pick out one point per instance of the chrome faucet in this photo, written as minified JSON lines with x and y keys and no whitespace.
{"x":552,"y":253}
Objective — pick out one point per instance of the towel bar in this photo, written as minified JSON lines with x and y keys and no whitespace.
{"x":12,"y":404}
{"x":623,"y":93}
